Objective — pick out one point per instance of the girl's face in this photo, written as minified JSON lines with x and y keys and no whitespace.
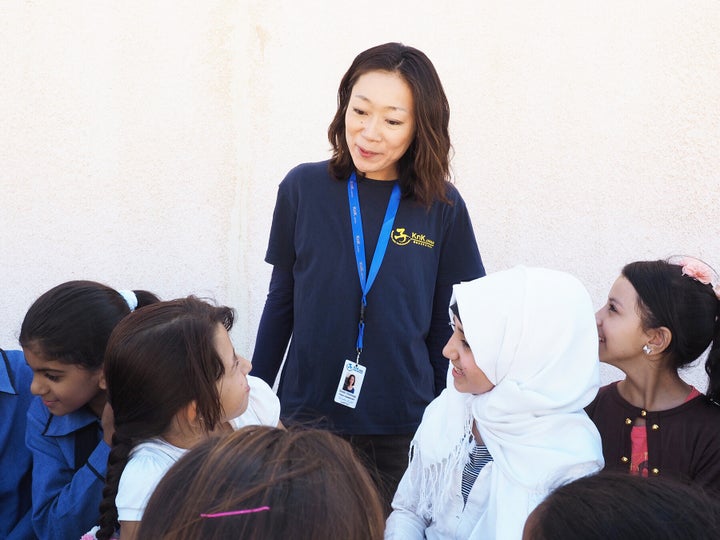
{"x":379,"y":123}
{"x":620,"y":330}
{"x":233,"y":385}
{"x":467,"y":376}
{"x":65,"y":388}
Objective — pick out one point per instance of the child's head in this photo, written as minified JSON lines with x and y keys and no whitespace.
{"x":467,"y":376}
{"x":674,"y":313}
{"x":625,"y":507}
{"x":531,"y":326}
{"x":262,"y":482}
{"x":64,"y":335}
{"x":171,"y":371}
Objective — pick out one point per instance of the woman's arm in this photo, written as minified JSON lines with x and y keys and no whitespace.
{"x":275,"y":327}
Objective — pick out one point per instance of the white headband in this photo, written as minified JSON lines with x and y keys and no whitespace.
{"x":130,"y":298}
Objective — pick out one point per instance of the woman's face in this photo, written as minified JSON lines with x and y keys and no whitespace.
{"x":65,"y":388}
{"x":620,"y":332}
{"x":351,"y":380}
{"x":232,"y":386}
{"x":379,"y":123}
{"x":467,"y":376}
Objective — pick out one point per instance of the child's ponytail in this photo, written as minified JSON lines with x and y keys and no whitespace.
{"x":712,"y":364}
{"x":116,"y":465}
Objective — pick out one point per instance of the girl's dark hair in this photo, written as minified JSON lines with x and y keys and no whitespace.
{"x":158,"y":360}
{"x":311,"y":480}
{"x":424,"y":169}
{"x":71,"y":323}
{"x":622,"y":506}
{"x":688,"y":308}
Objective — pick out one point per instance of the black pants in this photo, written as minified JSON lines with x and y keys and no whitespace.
{"x":386,"y":457}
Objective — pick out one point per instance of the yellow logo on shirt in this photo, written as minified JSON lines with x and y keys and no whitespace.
{"x":401,"y":238}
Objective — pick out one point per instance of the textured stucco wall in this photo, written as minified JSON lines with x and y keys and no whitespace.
{"x":141,"y":143}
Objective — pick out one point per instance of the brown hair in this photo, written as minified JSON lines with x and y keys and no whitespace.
{"x":158,"y":360}
{"x":311,"y":480}
{"x":425,"y":168}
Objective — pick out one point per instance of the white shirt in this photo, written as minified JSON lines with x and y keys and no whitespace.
{"x":149,"y":461}
{"x":455,"y":522}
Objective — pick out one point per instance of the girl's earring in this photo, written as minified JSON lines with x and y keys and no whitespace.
{"x":646,"y":349}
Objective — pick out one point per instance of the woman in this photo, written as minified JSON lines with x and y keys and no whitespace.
{"x":510,"y":425}
{"x":391,"y":153}
{"x":661,"y":316}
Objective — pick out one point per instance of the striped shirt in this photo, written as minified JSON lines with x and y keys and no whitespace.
{"x":479,"y":457}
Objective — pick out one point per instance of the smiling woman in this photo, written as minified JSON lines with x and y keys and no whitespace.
{"x":365,"y":248}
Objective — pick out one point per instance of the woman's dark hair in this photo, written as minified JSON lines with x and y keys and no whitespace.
{"x":616,"y":506}
{"x":311,"y":480}
{"x":424,"y":169}
{"x":159,"y":359}
{"x":687,"y":307}
{"x":347,"y":380}
{"x":71,"y":323}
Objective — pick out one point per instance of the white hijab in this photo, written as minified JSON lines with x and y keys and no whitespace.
{"x":532,"y":332}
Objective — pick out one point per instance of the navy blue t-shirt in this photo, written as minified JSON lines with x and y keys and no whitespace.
{"x":311,"y":236}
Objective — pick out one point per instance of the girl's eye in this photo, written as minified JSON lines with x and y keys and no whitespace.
{"x":611,"y":307}
{"x":53,"y":378}
{"x":465,"y":344}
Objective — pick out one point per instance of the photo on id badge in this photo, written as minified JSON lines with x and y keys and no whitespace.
{"x":351,"y":379}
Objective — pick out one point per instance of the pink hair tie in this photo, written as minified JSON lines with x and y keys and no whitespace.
{"x":236,"y":512}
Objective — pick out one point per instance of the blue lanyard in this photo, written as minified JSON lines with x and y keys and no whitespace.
{"x":359,"y":243}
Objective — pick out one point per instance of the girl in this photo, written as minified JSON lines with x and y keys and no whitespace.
{"x":63,"y":336}
{"x":510,"y":425}
{"x":15,"y":458}
{"x":266,"y":483}
{"x":173,"y":378}
{"x":659,"y":317}
{"x":624,"y":507}
{"x":390,"y":158}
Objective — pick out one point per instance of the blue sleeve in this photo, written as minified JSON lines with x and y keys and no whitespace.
{"x":438,"y":335}
{"x":23,"y":529}
{"x":65,"y":502}
{"x":275,"y":328}
{"x":460,"y":259}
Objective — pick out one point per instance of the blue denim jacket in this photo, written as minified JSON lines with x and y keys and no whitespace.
{"x":15,"y":458}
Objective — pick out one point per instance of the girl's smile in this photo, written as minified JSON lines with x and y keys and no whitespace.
{"x":65,"y":388}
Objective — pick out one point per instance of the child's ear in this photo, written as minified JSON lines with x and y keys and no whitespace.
{"x":101,"y":381}
{"x":660,"y":339}
{"x":191,"y":412}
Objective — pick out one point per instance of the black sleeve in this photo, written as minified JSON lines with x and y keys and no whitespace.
{"x":276,"y":326}
{"x":438,"y":335}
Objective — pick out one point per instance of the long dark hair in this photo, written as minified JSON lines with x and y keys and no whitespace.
{"x":71,"y":323}
{"x":158,"y":360}
{"x":301,"y":483}
{"x":425,"y":168}
{"x":687,"y":307}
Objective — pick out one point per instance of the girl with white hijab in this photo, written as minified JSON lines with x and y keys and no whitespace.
{"x":524,"y":363}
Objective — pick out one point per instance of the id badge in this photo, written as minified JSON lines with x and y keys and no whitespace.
{"x":351,"y":379}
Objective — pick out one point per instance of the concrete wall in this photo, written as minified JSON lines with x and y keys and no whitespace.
{"x":141,"y":143}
